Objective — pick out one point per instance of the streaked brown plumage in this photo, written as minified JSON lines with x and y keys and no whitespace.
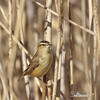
{"x":41,"y":61}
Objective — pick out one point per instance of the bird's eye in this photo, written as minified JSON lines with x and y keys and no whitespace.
{"x":47,"y":45}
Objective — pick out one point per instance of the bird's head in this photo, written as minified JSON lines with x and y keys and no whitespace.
{"x":44,"y":46}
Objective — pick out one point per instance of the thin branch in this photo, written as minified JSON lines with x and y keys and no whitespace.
{"x":3,"y":13}
{"x":22,"y":47}
{"x":48,"y":9}
{"x":4,"y":83}
{"x":81,"y":27}
{"x":16,"y":40}
{"x":68,"y":20}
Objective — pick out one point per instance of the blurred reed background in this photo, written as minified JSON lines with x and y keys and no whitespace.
{"x":73,"y":28}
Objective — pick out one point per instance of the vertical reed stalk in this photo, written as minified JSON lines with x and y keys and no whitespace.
{"x":90,"y":13}
{"x":85,"y":57}
{"x":36,"y":85}
{"x":48,"y":23}
{"x":96,"y":45}
{"x":10,"y":48}
{"x":5,"y":85}
{"x":56,"y":87}
{"x":91,"y":43}
{"x":27,"y":87}
{"x":48,"y":37}
{"x":65,"y":87}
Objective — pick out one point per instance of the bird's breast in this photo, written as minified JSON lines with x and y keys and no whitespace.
{"x":45,"y":60}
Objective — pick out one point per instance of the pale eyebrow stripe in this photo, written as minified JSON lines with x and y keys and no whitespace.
{"x":43,"y":45}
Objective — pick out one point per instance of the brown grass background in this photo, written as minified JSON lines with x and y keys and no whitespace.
{"x":74,"y":31}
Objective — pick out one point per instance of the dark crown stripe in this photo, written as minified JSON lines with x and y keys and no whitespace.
{"x":44,"y":41}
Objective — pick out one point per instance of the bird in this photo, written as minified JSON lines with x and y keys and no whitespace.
{"x":41,"y":62}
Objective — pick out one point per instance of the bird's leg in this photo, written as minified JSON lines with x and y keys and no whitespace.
{"x":44,"y":87}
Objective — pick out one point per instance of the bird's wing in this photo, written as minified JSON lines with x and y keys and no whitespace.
{"x":30,"y":69}
{"x":33,"y":64}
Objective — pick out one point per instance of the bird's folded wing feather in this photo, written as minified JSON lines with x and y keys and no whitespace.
{"x":30,"y":68}
{"x":33,"y":64}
